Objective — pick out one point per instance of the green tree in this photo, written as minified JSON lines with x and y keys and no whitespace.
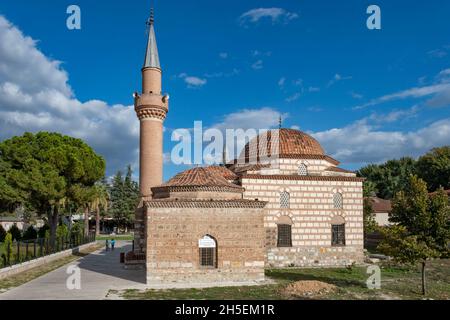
{"x":390,"y":177}
{"x":368,"y":214}
{"x":124,"y":193}
{"x":15,"y":232}
{"x":42,"y":230}
{"x":8,"y":245}
{"x":421,"y":230}
{"x":100,"y":202}
{"x":434,"y":168}
{"x":44,"y":171}
{"x":30,"y":233}
{"x":2,"y":233}
{"x":62,"y":231}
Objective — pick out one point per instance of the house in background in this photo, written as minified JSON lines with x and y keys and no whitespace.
{"x":8,"y":222}
{"x":381,"y":210}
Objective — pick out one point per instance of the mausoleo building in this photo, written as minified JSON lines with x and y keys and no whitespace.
{"x":295,"y":208}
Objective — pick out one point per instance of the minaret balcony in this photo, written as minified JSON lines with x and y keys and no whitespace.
{"x":151,"y":101}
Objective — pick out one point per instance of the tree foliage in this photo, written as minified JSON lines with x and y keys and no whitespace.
{"x":15,"y":232}
{"x":124,"y":193}
{"x":2,"y":233}
{"x":434,"y":168}
{"x":45,"y":171}
{"x":421,"y":229}
{"x":30,"y":233}
{"x":390,"y":177}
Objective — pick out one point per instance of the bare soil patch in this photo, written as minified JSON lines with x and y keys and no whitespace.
{"x":309,"y":288}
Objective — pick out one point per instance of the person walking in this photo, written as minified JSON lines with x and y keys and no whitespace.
{"x":107,"y":244}
{"x":113,"y":243}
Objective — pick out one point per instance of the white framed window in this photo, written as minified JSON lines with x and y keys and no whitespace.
{"x":337,"y":201}
{"x":285,"y":200}
{"x":302,"y":170}
{"x":207,"y":252}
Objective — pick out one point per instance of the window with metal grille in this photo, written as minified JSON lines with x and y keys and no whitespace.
{"x":284,"y":200}
{"x":284,"y":235}
{"x":337,"y":201}
{"x":338,"y":235}
{"x":208,"y":257}
{"x":302,"y":170}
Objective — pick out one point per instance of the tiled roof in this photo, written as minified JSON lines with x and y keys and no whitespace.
{"x":182,"y":203}
{"x":309,"y":178}
{"x":201,"y":177}
{"x":223,"y":171}
{"x":337,"y":169}
{"x":282,"y":141}
{"x":380,"y":205}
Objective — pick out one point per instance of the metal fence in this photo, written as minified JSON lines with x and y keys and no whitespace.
{"x":25,"y":250}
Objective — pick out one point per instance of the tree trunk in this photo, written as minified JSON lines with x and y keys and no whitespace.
{"x":424,"y":287}
{"x":53,"y":221}
{"x":97,"y":222}
{"x":86,"y":221}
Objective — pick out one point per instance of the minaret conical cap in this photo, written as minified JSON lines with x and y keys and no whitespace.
{"x":151,"y":54}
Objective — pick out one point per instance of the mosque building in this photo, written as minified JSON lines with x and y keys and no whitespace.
{"x":294,"y":208}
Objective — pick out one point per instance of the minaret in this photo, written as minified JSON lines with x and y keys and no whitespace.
{"x":151,"y":109}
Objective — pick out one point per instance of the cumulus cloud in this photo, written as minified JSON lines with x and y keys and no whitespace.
{"x":273,"y":14}
{"x":263,"y":118}
{"x":35,"y":96}
{"x":192,"y":81}
{"x":361,"y":143}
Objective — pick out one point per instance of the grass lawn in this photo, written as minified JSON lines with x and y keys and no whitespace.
{"x":396,"y":283}
{"x":117,"y":237}
{"x":26,"y":276}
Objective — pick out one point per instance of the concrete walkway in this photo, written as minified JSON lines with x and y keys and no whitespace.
{"x":100,"y":272}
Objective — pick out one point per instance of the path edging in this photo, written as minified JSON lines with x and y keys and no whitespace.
{"x":25,"y":266}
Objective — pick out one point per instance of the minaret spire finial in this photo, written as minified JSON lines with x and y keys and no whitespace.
{"x":152,"y":15}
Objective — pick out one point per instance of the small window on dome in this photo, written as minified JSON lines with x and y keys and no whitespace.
{"x":284,"y":200}
{"x":302,"y":170}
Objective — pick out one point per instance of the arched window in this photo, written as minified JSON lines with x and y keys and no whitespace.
{"x":207,"y":247}
{"x":284,"y":200}
{"x":302,"y":170}
{"x":337,"y":201}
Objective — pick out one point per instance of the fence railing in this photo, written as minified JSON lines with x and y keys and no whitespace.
{"x":25,"y":250}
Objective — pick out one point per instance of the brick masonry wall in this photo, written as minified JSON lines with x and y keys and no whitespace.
{"x":311,"y":212}
{"x":172,"y":244}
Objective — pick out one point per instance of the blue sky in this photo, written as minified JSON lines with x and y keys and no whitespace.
{"x":366,"y":95}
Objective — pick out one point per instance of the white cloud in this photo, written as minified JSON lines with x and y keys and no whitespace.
{"x":361,"y":143}
{"x":337,"y":77}
{"x":274,"y":14}
{"x":281,"y":82}
{"x":257,"y":65}
{"x":356,"y":95}
{"x":35,"y":96}
{"x":417,"y":92}
{"x":263,"y":118}
{"x":223,"y":55}
{"x":313,"y":89}
{"x":394,"y":115}
{"x":191,"y":81}
{"x":293,"y":97}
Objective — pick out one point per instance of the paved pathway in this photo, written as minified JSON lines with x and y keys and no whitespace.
{"x":100,"y":272}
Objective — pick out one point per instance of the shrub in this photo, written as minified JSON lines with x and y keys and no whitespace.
{"x":15,"y":232}
{"x":30,"y":234}
{"x":2,"y":233}
{"x":9,"y":244}
{"x":42,"y":230}
{"x":62,"y":231}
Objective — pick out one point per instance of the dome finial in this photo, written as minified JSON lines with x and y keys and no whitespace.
{"x":279,"y":122}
